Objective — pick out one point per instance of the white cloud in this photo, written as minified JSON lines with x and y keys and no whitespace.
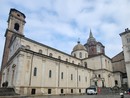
{"x":64,"y":21}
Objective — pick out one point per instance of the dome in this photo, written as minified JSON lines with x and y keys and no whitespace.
{"x":79,"y":47}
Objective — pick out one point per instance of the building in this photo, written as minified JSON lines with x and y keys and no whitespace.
{"x":34,"y":68}
{"x":125,"y":36}
{"x":119,"y":70}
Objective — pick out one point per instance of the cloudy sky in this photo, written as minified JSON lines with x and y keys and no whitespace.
{"x":59,"y":23}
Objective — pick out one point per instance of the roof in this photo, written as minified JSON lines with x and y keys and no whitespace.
{"x":79,"y":47}
{"x":126,"y":31}
{"x":13,"y":9}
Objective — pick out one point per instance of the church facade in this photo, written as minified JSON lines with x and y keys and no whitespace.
{"x":34,"y":68}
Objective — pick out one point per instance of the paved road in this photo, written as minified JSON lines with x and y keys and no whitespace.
{"x":69,"y":96}
{"x":82,"y":96}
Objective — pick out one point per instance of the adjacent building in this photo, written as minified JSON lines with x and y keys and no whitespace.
{"x":119,"y":70}
{"x":125,"y":36}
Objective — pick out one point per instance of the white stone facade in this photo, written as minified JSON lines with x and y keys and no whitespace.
{"x":67,"y":73}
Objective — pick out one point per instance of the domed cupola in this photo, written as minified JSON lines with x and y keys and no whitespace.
{"x":79,"y":51}
{"x":79,"y":47}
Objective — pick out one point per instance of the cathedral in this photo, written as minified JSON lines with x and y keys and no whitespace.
{"x":31,"y":67}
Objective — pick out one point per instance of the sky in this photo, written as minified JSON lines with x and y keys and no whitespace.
{"x":60,"y":23}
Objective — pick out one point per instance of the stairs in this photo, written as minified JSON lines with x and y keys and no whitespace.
{"x":7,"y":92}
{"x":108,"y":91}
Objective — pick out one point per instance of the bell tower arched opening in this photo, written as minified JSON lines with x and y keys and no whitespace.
{"x":16,"y":26}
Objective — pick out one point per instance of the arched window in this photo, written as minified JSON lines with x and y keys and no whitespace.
{"x":62,"y":91}
{"x":86,"y":78}
{"x":66,"y":60}
{"x":59,"y":57}
{"x":62,"y":75}
{"x":79,"y":90}
{"x":73,"y":62}
{"x":116,"y":82}
{"x":80,"y":54}
{"x":128,"y":40}
{"x":71,"y":76}
{"x":71,"y":90}
{"x":40,"y":51}
{"x":50,"y":73}
{"x":50,"y":54}
{"x":74,"y":55}
{"x":98,"y":49}
{"x":35,"y":72}
{"x":85,"y":55}
{"x":16,"y":26}
{"x":85,"y":64}
{"x":79,"y":77}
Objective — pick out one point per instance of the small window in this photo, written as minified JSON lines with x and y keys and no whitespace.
{"x":50,"y":54}
{"x":85,"y":64}
{"x":80,"y":54}
{"x":50,"y":73}
{"x":79,"y":78}
{"x":95,"y":83}
{"x":86,"y":79}
{"x":18,"y":15}
{"x":73,"y":62}
{"x":128,"y":40}
{"x":33,"y":91}
{"x":99,"y":76}
{"x":85,"y":55}
{"x":92,"y":50}
{"x":71,"y":90}
{"x":35,"y":72}
{"x":74,"y":55}
{"x":62,"y":75}
{"x":79,"y":90}
{"x":116,"y":82}
{"x":49,"y":91}
{"x":66,"y":60}
{"x":16,"y":26}
{"x":62,"y":91}
{"x":98,"y":49}
{"x":40,"y":51}
{"x":59,"y":57}
{"x":71,"y":76}
{"x":105,"y":60}
{"x":27,"y":47}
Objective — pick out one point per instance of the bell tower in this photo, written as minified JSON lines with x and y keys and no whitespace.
{"x":16,"y":22}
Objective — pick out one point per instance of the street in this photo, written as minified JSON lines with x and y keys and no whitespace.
{"x":82,"y":96}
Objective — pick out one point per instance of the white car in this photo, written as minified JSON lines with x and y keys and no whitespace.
{"x":91,"y":91}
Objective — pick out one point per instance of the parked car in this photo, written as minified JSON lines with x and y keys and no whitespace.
{"x":91,"y":90}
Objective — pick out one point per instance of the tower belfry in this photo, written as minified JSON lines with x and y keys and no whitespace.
{"x":93,"y":47}
{"x":16,"y":21}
